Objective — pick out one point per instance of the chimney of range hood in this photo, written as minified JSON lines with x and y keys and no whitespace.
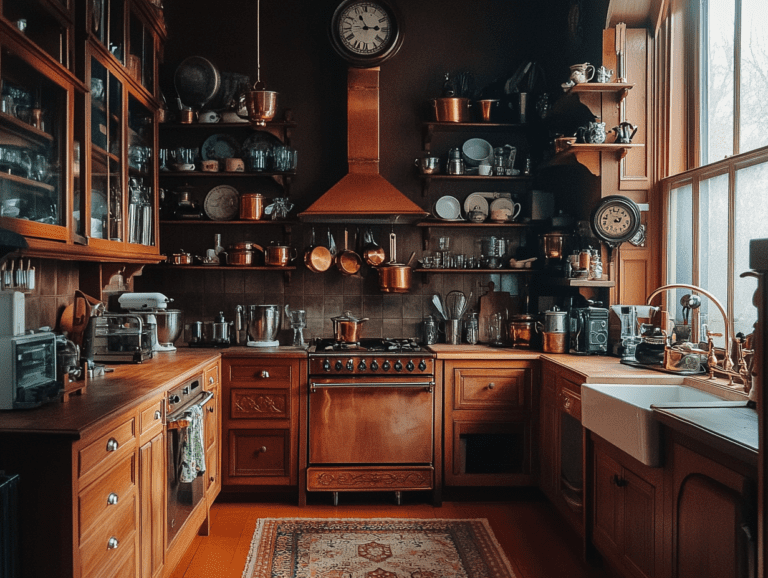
{"x":363,"y":195}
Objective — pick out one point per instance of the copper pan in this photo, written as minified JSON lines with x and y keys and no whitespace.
{"x":373,"y":254}
{"x":317,"y":258}
{"x":348,"y":262}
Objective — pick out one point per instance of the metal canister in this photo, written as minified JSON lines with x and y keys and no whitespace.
{"x":429,"y":330}
{"x":555,"y":321}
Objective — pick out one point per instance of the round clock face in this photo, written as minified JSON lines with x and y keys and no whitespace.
{"x":365,"y":33}
{"x":616,"y":219}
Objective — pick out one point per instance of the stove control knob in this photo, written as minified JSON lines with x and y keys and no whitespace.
{"x":422,"y":365}
{"x":350,"y":365}
{"x":361,"y":366}
{"x":386,"y":366}
{"x":398,"y":365}
{"x":410,"y":366}
{"x":338,"y":365}
{"x":374,"y":365}
{"x":326,"y":364}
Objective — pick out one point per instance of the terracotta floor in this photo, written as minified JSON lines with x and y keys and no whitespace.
{"x":534,"y":538}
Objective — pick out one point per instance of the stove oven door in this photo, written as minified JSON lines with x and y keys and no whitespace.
{"x":372,"y":422}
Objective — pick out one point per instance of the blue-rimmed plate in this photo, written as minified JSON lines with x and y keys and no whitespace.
{"x":218,"y":147}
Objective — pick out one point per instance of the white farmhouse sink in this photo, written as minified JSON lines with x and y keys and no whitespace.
{"x":621,"y":414}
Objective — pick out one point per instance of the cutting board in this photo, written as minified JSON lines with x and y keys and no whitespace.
{"x":495,"y":302}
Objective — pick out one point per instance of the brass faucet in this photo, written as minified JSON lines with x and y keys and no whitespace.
{"x":722,"y":367}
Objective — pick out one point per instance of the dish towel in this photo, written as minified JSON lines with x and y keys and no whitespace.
{"x":193,"y":447}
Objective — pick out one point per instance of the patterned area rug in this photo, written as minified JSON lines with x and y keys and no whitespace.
{"x":375,"y":548}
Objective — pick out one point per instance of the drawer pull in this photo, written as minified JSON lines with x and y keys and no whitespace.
{"x":112,"y":445}
{"x":263,"y":449}
{"x":113,"y":543}
{"x":112,"y":499}
{"x":567,"y":402}
{"x":210,"y":409}
{"x":619,"y":481}
{"x":265,"y":374}
{"x":211,"y":380}
{"x":491,"y":385}
{"x":213,"y":479}
{"x":158,"y":415}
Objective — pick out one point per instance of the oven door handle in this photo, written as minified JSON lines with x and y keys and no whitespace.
{"x":178,"y":420}
{"x":428,"y":385}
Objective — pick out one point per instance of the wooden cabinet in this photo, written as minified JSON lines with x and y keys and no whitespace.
{"x":260,"y":426}
{"x":78,"y":127}
{"x":152,"y":472}
{"x":212,"y":382}
{"x":712,"y":509}
{"x":627,"y":511}
{"x":488,"y":423}
{"x":561,"y":442}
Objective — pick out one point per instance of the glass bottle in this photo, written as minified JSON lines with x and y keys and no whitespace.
{"x":473,"y":328}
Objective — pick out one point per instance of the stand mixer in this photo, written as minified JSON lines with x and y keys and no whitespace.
{"x":298,"y":319}
{"x":166,"y":324}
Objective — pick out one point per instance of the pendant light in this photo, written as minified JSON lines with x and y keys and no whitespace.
{"x":261,"y":104}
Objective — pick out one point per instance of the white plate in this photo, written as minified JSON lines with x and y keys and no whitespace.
{"x":222,"y":203}
{"x":448,"y":208}
{"x":476,"y":201}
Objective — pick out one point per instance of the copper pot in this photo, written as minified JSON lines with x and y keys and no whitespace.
{"x":395,"y":277}
{"x":522,"y":331}
{"x":373,"y":254}
{"x":251,"y":206}
{"x":279,"y":255}
{"x":451,"y":109}
{"x":348,"y":262}
{"x":347,"y":328}
{"x":242,"y":254}
{"x":181,"y":258}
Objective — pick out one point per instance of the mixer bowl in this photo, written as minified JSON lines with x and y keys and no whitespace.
{"x":170,"y":323}
{"x":263,"y":322}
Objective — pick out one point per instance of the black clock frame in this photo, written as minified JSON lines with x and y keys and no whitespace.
{"x":362,"y":61}
{"x":625,"y":202}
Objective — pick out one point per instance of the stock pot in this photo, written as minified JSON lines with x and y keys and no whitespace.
{"x":347,"y":328}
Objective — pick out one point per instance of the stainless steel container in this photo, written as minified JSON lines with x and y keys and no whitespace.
{"x":263,"y":322}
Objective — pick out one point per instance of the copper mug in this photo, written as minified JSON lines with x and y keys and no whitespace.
{"x":279,"y":255}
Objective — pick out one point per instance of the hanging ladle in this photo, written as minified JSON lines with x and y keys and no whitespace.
{"x":261,"y":104}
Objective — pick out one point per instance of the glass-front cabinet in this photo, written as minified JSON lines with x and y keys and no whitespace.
{"x":34,"y":144}
{"x":78,"y":126}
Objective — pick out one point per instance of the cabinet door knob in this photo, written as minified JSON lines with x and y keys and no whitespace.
{"x":212,"y":479}
{"x":567,"y":402}
{"x":112,"y":445}
{"x":491,"y":385}
{"x":619,"y":481}
{"x":211,"y":380}
{"x":158,"y":415}
{"x":265,"y":374}
{"x":113,"y":543}
{"x":112,"y":499}
{"x":263,"y":449}
{"x":210,"y":409}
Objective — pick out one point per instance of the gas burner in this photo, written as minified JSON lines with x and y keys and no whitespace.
{"x":340,"y":346}
{"x":373,"y":344}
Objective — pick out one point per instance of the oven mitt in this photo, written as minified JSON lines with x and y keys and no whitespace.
{"x":193,"y":447}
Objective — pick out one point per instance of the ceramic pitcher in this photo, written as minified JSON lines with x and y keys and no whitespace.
{"x":582,"y":72}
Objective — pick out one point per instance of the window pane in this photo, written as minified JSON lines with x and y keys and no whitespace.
{"x":713,"y":248}
{"x":680,"y":236}
{"x":717,"y":80}
{"x":751,"y":200}
{"x":754,"y":81}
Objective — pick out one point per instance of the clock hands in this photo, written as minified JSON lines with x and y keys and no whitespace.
{"x":366,"y":27}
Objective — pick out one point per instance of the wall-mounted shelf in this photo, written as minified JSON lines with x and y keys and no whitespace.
{"x":285,"y":270}
{"x":596,"y":283}
{"x":426,"y":180}
{"x":588,"y":155}
{"x":430,"y":128}
{"x":428,"y":224}
{"x":225,"y":223}
{"x":622,"y":88}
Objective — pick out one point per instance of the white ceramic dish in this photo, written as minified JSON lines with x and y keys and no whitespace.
{"x":448,"y":208}
{"x":476,"y":202}
{"x":506,"y":205}
{"x":222,"y":203}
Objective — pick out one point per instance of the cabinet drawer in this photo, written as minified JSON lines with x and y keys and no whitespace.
{"x":211,"y":376}
{"x":152,"y":417}
{"x":108,"y":448}
{"x":105,"y":548}
{"x":491,"y":388}
{"x":570,"y":403}
{"x":106,"y":493}
{"x":246,"y":403}
{"x":258,"y":452}
{"x":261,"y":373}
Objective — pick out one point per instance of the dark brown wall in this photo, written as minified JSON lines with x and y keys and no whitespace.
{"x":489,"y":38}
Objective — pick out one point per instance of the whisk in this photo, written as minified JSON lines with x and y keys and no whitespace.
{"x":455,"y":304}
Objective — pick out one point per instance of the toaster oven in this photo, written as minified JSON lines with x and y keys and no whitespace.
{"x":28,"y":378}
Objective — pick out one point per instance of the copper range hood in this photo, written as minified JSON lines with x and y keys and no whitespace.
{"x":363,"y":195}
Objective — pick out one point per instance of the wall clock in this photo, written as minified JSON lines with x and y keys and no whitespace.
{"x":366,"y":33}
{"x":616,"y":219}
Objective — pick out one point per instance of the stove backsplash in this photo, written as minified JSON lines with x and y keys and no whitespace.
{"x":202,"y":294}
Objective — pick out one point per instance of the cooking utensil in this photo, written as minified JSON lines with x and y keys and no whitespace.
{"x":196,"y":80}
{"x":242,"y":254}
{"x":373,"y":254}
{"x":438,"y":303}
{"x":261,"y":104}
{"x":317,"y":258}
{"x":180,"y":258}
{"x":347,"y":328}
{"x":263,"y":324}
{"x":451,"y":109}
{"x":279,"y":255}
{"x":455,"y":304}
{"x":251,"y":206}
{"x":348,"y":262}
{"x":394,"y":277}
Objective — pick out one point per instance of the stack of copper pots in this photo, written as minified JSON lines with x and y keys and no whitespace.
{"x":554,"y":331}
